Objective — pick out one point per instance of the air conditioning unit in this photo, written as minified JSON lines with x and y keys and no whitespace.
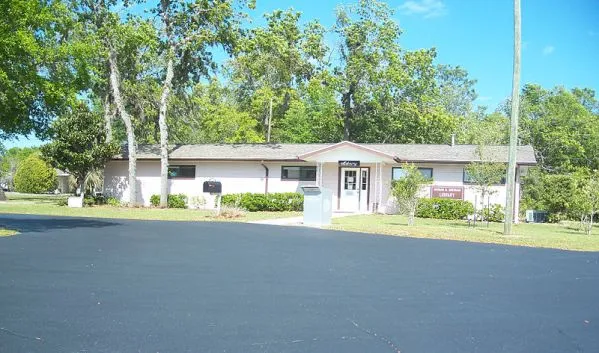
{"x":533,"y":216}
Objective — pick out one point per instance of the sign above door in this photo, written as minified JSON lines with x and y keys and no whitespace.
{"x":349,"y":164}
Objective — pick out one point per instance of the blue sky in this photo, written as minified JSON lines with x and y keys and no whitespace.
{"x":560,"y":39}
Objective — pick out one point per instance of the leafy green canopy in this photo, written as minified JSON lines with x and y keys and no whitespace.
{"x":79,"y":143}
{"x":42,"y":65}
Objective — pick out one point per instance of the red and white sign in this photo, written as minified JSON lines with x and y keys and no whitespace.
{"x":448,"y":192}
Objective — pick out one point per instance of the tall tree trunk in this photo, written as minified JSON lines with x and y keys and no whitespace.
{"x":411,"y":216}
{"x":347,"y":110}
{"x":511,"y":171}
{"x":166,"y":90}
{"x":120,"y":105}
{"x":108,"y":116}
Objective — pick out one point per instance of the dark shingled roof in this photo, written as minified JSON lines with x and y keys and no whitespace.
{"x":290,"y":152}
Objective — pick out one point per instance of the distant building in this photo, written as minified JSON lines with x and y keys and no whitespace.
{"x":64,"y":182}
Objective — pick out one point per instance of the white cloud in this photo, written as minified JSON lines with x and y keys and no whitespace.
{"x":424,"y":8}
{"x":548,"y":49}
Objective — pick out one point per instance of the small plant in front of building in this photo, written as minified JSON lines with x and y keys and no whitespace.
{"x":174,"y":200}
{"x":406,"y":190}
{"x":231,"y":212}
{"x":113,"y":201}
{"x":197,"y":202}
{"x":493,"y":213}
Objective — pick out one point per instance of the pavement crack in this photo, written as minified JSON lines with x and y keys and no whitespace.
{"x":12,"y":333}
{"x":372,"y":333}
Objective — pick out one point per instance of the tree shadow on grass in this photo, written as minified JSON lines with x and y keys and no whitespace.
{"x":26,"y":224}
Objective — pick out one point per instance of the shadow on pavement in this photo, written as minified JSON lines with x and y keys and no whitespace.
{"x":25,"y":224}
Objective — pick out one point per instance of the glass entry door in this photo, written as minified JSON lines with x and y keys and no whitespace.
{"x":354,"y":188}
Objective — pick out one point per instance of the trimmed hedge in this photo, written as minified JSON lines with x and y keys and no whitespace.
{"x":443,"y":208}
{"x":173,"y":201}
{"x":283,"y":201}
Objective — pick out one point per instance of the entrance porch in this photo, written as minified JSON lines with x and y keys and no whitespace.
{"x":354,"y":174}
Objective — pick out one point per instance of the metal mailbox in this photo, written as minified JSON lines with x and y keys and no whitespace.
{"x":318,"y":205}
{"x":213,"y":187}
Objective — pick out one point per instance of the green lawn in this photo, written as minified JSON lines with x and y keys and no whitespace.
{"x":47,"y":208}
{"x":533,"y":235}
{"x":7,"y":232}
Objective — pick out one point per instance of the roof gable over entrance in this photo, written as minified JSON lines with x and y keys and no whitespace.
{"x":345,"y":151}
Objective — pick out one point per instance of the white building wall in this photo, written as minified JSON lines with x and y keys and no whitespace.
{"x":444,"y":175}
{"x":242,"y":176}
{"x":236,"y":177}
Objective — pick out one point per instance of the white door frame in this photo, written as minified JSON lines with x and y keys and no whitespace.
{"x":364,"y":188}
{"x":354,"y":198}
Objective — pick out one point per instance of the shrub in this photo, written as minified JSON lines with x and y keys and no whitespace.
{"x":35,"y":176}
{"x":155,"y":200}
{"x":99,"y":200}
{"x":285,"y":201}
{"x":173,"y":201}
{"x":197,"y":202}
{"x":88,"y":201}
{"x":443,"y":208}
{"x":493,"y":214}
{"x":231,"y":212}
{"x":113,"y":201}
{"x":62,"y":202}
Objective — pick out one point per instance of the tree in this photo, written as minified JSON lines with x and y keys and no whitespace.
{"x":272,"y":64}
{"x":562,"y":128}
{"x":511,"y":170}
{"x":125,"y":53}
{"x":209,"y":113}
{"x":9,"y":163}
{"x":456,"y":90}
{"x":35,"y":176}
{"x":407,"y":189}
{"x":369,"y":58}
{"x":189,"y":30}
{"x":586,"y":198}
{"x":42,"y":66}
{"x":485,"y":174}
{"x":314,"y":117}
{"x":79,"y":144}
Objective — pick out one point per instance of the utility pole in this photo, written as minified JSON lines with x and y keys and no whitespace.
{"x":511,"y":170}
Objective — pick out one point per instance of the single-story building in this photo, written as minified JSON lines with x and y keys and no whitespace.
{"x":358,"y":174}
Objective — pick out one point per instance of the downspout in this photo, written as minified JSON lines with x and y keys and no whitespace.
{"x":265,"y":177}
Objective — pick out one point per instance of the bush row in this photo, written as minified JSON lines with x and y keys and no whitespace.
{"x":173,"y":201}
{"x":443,"y":208}
{"x":284,"y":201}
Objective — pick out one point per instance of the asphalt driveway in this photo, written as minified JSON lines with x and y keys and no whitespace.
{"x":92,"y":285}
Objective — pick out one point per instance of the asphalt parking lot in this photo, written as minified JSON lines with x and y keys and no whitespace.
{"x":99,"y":285}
